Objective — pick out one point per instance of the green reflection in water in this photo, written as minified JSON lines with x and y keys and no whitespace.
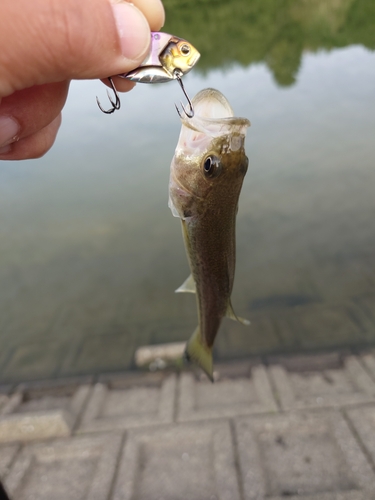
{"x":276,"y":32}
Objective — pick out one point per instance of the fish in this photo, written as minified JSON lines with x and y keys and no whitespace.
{"x":206,"y":176}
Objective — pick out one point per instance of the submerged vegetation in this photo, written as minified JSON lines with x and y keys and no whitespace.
{"x":275,"y":32}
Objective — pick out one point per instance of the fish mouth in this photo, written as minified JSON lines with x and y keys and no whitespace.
{"x":214,"y":116}
{"x":193,"y":59}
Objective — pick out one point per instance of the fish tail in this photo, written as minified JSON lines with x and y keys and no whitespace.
{"x":200,"y":354}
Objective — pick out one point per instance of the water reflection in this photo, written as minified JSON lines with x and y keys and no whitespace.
{"x":90,"y":253}
{"x":276,"y":32}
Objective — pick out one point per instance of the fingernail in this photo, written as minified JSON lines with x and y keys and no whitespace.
{"x":132,"y":28}
{"x":9,"y":130}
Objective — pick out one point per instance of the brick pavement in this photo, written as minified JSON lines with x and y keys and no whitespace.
{"x":290,"y":427}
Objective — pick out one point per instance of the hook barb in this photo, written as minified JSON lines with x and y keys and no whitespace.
{"x":115,"y":104}
{"x":189,"y":113}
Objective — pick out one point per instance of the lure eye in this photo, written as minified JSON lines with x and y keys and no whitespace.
{"x":211,"y":166}
{"x":185,"y":49}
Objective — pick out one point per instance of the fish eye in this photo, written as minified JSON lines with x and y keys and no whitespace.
{"x":185,"y":49}
{"x":211,"y":166}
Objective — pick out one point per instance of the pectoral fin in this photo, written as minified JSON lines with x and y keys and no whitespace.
{"x":173,"y":208}
{"x":187,"y":286}
{"x":198,"y":353}
{"x":232,"y":315}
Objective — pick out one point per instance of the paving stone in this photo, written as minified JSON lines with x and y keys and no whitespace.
{"x":5,"y":391}
{"x":133,"y":405}
{"x":5,"y":388}
{"x":324,"y":326}
{"x":176,"y":331}
{"x":227,"y":397}
{"x":368,"y":361}
{"x":101,"y":353}
{"x":26,"y":418}
{"x":341,"y":276}
{"x":347,"y":385}
{"x":93,"y":316}
{"x":81,"y":468}
{"x":183,"y":462}
{"x":159,"y":355}
{"x":367,"y":303}
{"x":311,"y":456}
{"x":4,"y":355}
{"x":155,"y":302}
{"x":237,"y":340}
{"x":363,"y":420}
{"x":308,"y":362}
{"x":61,"y":386}
{"x":30,"y":317}
{"x":34,"y":361}
{"x":3,"y":400}
{"x":7,"y":455}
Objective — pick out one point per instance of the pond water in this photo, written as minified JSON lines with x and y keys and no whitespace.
{"x":90,"y":254}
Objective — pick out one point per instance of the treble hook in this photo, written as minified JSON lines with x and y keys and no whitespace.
{"x":189,"y":114}
{"x":116,"y":104}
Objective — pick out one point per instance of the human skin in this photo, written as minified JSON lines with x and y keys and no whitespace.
{"x":47,"y":43}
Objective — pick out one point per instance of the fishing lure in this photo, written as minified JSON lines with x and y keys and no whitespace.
{"x":170,"y":58}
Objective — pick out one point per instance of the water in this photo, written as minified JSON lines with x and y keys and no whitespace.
{"x":90,"y":254}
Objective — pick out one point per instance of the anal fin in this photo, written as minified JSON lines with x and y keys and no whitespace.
{"x":232,"y":315}
{"x":188,"y":286}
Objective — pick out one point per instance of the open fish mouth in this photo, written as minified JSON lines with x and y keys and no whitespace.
{"x":212,"y":112}
{"x":213,"y":117}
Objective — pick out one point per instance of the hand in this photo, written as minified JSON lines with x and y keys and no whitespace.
{"x":46,"y":43}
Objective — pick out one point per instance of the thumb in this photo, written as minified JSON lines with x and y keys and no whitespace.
{"x":46,"y":41}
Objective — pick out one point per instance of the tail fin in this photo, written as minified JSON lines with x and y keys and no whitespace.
{"x":198,"y":353}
